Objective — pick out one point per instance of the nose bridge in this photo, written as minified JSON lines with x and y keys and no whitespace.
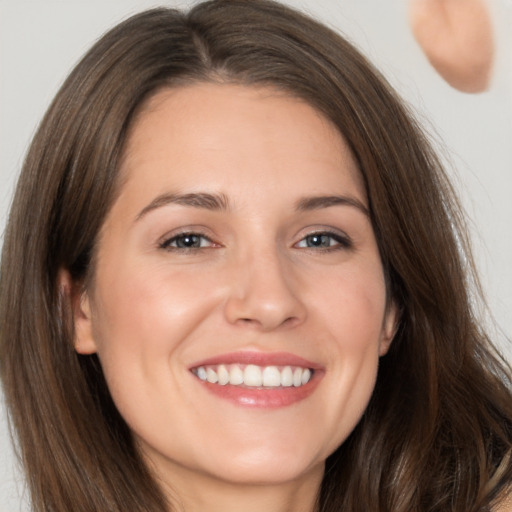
{"x":263,"y":290}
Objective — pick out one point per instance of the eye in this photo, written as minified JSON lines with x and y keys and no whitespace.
{"x":187,"y":241}
{"x":324,"y":240}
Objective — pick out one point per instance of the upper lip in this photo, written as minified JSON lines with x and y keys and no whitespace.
{"x":259,"y":359}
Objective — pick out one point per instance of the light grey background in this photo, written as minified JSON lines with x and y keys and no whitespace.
{"x":41,"y":40}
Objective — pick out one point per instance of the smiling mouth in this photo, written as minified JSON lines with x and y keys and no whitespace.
{"x":254,"y":376}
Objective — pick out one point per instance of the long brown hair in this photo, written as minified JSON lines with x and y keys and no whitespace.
{"x":437,"y":434}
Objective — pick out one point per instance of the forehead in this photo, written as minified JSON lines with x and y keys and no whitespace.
{"x":188,"y":135}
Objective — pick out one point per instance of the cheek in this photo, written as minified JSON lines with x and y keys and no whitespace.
{"x":351,"y":317}
{"x":149,"y":299}
{"x":353,"y":307}
{"x":357,"y":328}
{"x":141,"y":319}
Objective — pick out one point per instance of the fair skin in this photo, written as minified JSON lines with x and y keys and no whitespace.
{"x":505,"y":504}
{"x":240,"y":238}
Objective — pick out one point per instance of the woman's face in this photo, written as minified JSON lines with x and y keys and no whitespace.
{"x":239,"y":251}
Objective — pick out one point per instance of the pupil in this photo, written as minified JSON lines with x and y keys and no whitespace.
{"x":318,"y":241}
{"x":188,"y":241}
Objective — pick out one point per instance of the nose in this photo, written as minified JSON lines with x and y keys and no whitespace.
{"x":264,"y":294}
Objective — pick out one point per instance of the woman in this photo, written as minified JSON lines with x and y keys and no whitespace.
{"x":234,"y":276}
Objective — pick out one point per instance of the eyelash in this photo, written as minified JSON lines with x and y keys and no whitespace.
{"x":341,"y":242}
{"x":167,"y":244}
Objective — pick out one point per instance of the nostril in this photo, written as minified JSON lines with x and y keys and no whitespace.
{"x":291,"y":321}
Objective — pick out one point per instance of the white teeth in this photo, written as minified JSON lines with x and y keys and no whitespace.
{"x":287,"y":377}
{"x":297,"y":377}
{"x":271,"y":377}
{"x":223,"y":375}
{"x":254,"y":376}
{"x":236,"y":375}
{"x":211,"y":376}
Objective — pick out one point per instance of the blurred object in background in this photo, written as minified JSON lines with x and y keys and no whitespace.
{"x":457,"y":38}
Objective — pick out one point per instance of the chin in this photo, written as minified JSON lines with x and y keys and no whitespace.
{"x":266,"y":467}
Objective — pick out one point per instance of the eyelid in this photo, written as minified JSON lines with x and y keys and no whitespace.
{"x":344,"y":242}
{"x":166,"y":241}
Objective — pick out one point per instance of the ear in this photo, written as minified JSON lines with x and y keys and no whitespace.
{"x":84,"y":341}
{"x":389,"y":328}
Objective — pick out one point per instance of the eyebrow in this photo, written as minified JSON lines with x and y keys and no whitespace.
{"x":202,"y":200}
{"x":220,"y":202}
{"x":319,"y":202}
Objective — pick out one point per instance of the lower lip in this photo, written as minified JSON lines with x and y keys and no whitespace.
{"x":268,"y":398}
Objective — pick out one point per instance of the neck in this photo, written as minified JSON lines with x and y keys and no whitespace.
{"x":197,"y":493}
